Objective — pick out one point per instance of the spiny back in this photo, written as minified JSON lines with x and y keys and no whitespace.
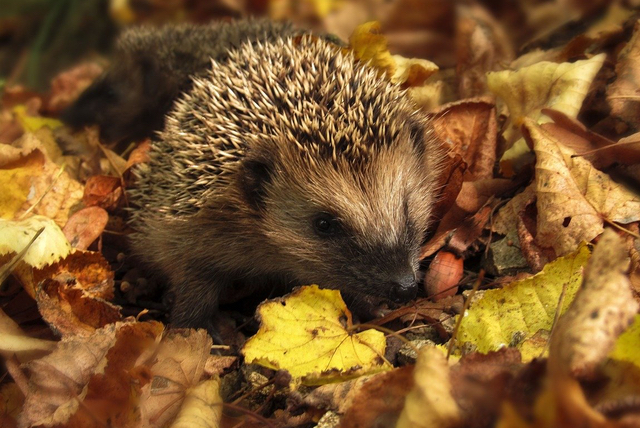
{"x":301,"y":91}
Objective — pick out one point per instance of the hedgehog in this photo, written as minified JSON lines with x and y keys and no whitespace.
{"x":290,"y":163}
{"x":151,"y":67}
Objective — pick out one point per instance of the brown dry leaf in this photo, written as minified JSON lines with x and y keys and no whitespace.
{"x":486,"y":382}
{"x":376,"y":400}
{"x":177,"y":365}
{"x":600,"y":151}
{"x":469,"y":128}
{"x":69,"y":310}
{"x":58,"y":382}
{"x":91,"y":381}
{"x":603,"y":308}
{"x":85,"y":226}
{"x":472,"y":197}
{"x":572,"y":196}
{"x":103,"y":191}
{"x":623,"y":94}
{"x":528,"y":90}
{"x":430,"y":403}
{"x":482,"y":46}
{"x":11,"y":401}
{"x":202,"y":406}
{"x":140,"y":154}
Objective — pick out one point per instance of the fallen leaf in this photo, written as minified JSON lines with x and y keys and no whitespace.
{"x":519,"y":310}
{"x":202,"y":406}
{"x":378,"y":399}
{"x":603,"y":308}
{"x":48,"y":248}
{"x":469,"y":128}
{"x":309,"y":334}
{"x":572,"y":196}
{"x":103,"y":191}
{"x":369,"y":45}
{"x":526,"y":91}
{"x":430,"y":403}
{"x":85,"y":226}
{"x":15,"y":180}
{"x":175,"y":366}
{"x":623,"y":94}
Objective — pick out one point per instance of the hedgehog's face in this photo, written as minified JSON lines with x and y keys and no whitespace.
{"x":353,"y":227}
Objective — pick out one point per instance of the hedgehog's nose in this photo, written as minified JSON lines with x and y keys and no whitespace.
{"x":404,"y":289}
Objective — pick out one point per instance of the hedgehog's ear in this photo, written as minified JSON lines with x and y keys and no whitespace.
{"x":418,"y":134}
{"x":255,"y":175}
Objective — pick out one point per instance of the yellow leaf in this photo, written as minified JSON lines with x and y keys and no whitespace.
{"x":628,"y":345}
{"x":369,"y":45}
{"x":527,"y":91}
{"x":524,"y":307}
{"x":309,"y":334}
{"x":49,"y":247}
{"x":16,"y":182}
{"x":33,"y":123}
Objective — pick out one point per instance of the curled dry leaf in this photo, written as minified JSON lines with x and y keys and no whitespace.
{"x":310,"y":334}
{"x":98,"y":374}
{"x":85,"y":226}
{"x":469,"y":129}
{"x":430,"y":402}
{"x":602,"y":310}
{"x":376,"y":400}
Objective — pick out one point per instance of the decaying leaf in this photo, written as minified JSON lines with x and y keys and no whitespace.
{"x":35,"y":183}
{"x":309,"y":334}
{"x":469,"y":128}
{"x":519,"y":310}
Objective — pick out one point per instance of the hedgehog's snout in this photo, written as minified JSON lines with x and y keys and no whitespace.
{"x":404,"y":289}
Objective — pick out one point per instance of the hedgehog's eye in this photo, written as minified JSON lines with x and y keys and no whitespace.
{"x":325,"y":224}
